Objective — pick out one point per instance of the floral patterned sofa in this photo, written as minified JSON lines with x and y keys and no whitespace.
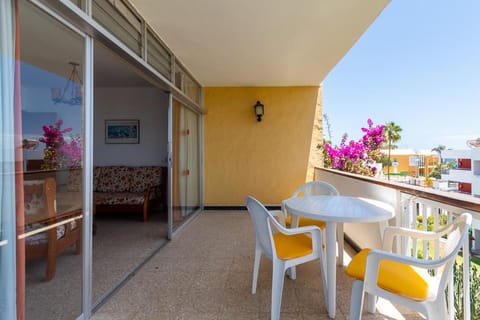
{"x":128,"y":188}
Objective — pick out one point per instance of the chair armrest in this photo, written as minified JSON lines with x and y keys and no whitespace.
{"x":391,"y":232}
{"x":314,"y":231}
{"x":299,"y":230}
{"x":290,"y":231}
{"x":375,"y":256}
{"x":156,"y":186}
{"x":279,"y":215}
{"x":152,"y":189}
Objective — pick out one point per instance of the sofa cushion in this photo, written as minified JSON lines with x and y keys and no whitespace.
{"x":113,"y":179}
{"x":96,"y":174}
{"x":145,"y":176}
{"x":119,"y":198}
{"x":42,"y":237}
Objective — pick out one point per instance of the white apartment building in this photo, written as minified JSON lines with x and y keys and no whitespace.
{"x":466,"y":172}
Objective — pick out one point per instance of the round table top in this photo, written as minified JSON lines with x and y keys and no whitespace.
{"x":340,"y":208}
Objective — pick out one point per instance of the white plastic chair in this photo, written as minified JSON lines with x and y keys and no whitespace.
{"x":312,"y":188}
{"x":406,"y":280}
{"x":285,"y":247}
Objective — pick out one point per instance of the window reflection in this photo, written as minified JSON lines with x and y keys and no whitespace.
{"x":52,"y":163}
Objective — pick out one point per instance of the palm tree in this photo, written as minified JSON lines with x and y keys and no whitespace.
{"x":392,"y":135}
{"x":439,"y":150}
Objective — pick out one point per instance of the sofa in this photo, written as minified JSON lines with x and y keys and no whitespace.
{"x":128,"y":188}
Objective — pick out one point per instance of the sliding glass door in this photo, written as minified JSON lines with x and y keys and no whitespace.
{"x":48,"y":140}
{"x":7,"y":162}
{"x":186,"y":163}
{"x":51,"y":128}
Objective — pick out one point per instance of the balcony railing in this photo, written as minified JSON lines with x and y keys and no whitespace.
{"x":415,"y":206}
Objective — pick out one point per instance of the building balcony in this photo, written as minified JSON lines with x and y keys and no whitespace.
{"x":459,"y":175}
{"x":206,"y":272}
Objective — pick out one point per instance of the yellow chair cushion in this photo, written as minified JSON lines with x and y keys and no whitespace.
{"x":393,"y":276}
{"x":292,"y":246}
{"x":303,"y":222}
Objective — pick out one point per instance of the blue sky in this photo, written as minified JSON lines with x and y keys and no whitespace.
{"x":417,"y":65}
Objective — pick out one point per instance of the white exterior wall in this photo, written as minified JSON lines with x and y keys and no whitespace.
{"x":470,"y":176}
{"x":458,"y":175}
{"x":456,"y":154}
{"x":476,"y":172}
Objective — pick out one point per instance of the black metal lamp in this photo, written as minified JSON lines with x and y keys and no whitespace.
{"x":258,"y":107}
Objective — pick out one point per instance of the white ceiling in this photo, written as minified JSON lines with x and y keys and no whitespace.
{"x":262,"y":42}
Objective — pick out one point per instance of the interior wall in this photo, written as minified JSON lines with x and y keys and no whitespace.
{"x":150,"y":106}
{"x":266,"y":159}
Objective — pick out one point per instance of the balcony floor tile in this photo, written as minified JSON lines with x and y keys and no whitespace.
{"x":206,"y":273}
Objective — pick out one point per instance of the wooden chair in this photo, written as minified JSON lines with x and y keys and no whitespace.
{"x":40,"y":213}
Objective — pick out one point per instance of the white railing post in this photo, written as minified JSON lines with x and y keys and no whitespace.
{"x":451,"y":296}
{"x":466,"y":279}
{"x":438,"y":217}
{"x":413,"y":203}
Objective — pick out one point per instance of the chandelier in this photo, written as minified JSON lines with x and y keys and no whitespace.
{"x":72,"y":92}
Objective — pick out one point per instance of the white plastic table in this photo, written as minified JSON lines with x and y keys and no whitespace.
{"x":337,"y":210}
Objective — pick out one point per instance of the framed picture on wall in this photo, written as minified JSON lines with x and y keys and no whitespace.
{"x":122,"y":131}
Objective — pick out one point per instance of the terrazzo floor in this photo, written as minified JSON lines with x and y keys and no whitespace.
{"x":121,"y":243}
{"x":206,"y":272}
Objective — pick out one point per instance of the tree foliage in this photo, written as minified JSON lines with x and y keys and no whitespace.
{"x":392,"y":135}
{"x":356,"y":156}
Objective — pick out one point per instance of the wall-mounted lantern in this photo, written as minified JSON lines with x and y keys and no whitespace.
{"x":259,"y":110}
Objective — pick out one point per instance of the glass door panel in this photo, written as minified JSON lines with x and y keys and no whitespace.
{"x":51,"y":77}
{"x":8,"y":299}
{"x":186,"y":168}
{"x":129,"y":178}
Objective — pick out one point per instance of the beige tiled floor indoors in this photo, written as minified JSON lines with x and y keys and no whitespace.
{"x":206,"y":273}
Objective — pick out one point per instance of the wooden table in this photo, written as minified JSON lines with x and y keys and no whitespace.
{"x":337,"y":210}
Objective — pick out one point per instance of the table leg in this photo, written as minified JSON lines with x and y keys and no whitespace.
{"x":340,"y":243}
{"x":292,"y":272}
{"x":331,"y":231}
{"x":294,"y":222}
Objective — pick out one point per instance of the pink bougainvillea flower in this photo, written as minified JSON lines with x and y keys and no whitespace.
{"x":355,"y":156}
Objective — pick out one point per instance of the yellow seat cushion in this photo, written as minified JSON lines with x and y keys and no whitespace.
{"x":393,"y":276}
{"x":292,"y":246}
{"x":303,"y":222}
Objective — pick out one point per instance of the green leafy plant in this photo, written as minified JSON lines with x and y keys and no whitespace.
{"x":458,"y":292}
{"x":431,"y":222}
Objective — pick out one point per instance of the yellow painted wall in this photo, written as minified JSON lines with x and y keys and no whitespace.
{"x":403,"y":164}
{"x":266,"y":159}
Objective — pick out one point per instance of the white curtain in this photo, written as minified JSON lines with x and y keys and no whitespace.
{"x":7,"y":163}
{"x":193,"y":199}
